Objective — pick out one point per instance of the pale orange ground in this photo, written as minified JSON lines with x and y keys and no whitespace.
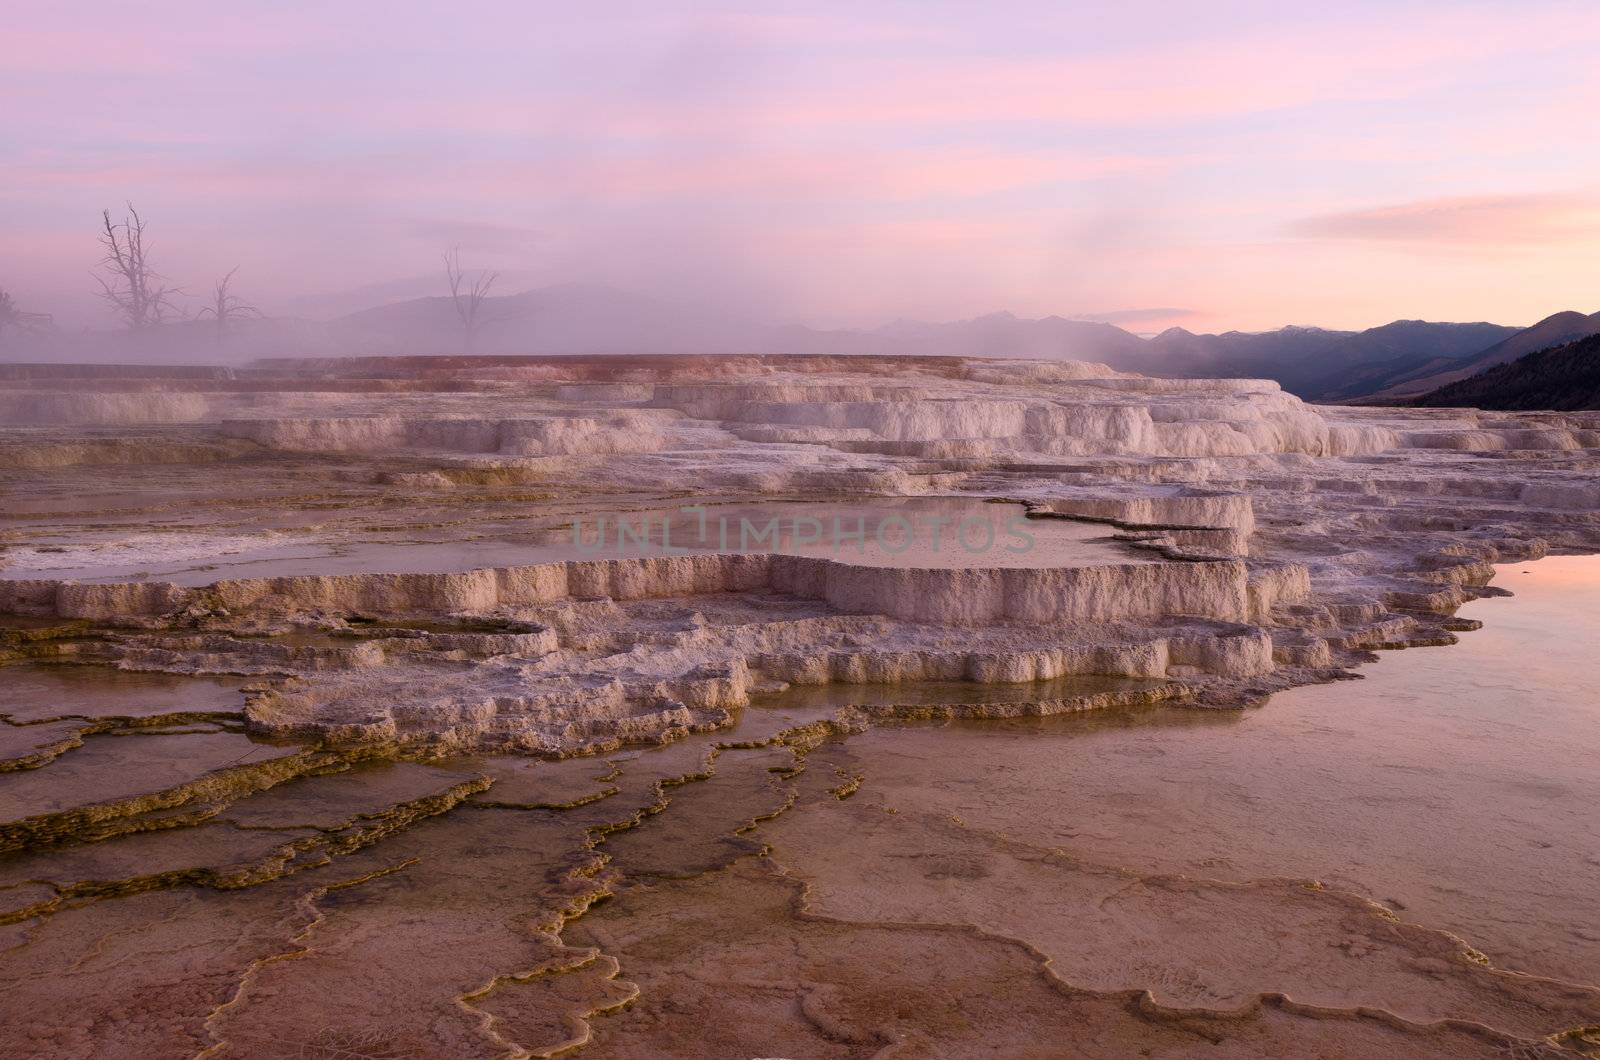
{"x":1124,"y":884}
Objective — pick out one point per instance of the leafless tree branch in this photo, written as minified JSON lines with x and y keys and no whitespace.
{"x":14,"y":318}
{"x":468,"y":296}
{"x":128,"y":283}
{"x":226,"y":308}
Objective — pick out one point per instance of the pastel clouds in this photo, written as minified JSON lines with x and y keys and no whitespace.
{"x":1495,"y":220}
{"x":836,"y":163}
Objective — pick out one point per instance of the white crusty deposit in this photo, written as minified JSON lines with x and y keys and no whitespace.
{"x":378,"y":543}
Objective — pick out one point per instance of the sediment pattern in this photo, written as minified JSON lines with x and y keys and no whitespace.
{"x":310,"y":706}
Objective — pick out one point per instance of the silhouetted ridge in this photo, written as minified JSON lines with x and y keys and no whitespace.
{"x":1562,"y":377}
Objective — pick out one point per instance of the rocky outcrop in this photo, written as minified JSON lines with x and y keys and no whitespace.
{"x":1250,"y":541}
{"x":369,"y":558}
{"x":43,"y":408}
{"x":543,"y":436}
{"x":1223,"y":589}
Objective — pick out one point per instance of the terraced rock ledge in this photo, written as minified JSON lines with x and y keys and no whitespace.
{"x":314,"y":701}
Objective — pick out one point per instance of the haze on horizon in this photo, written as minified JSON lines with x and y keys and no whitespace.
{"x":1228,"y":165}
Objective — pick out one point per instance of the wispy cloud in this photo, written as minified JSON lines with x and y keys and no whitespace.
{"x":839,"y":165}
{"x":1479,"y":220}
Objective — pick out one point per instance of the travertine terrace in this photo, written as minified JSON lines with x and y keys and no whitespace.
{"x":388,"y":545}
{"x":326,"y":691}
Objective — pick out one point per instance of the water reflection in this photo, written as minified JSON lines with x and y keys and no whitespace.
{"x":1459,"y":785}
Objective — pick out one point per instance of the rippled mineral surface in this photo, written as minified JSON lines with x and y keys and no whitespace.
{"x":331,"y":724}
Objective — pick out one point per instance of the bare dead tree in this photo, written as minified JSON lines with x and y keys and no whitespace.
{"x":468,"y":296}
{"x":15,"y":319}
{"x":134,"y":290}
{"x":226,"y":308}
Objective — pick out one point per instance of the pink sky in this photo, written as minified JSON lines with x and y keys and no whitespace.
{"x":1252,"y":163}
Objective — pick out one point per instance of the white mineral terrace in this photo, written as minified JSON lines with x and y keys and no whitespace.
{"x":565,"y":555}
{"x":934,"y":532}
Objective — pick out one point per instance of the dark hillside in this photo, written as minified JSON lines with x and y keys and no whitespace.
{"x":1562,"y":377}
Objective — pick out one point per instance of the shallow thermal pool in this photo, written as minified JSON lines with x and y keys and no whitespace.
{"x":1402,"y":865}
{"x":904,"y":531}
{"x":1459,"y":786}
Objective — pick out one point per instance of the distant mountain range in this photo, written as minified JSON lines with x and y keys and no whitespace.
{"x":1394,"y":363}
{"x":1391,"y":363}
{"x":1551,"y":331}
{"x":1323,"y":365}
{"x":1561,"y":377}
